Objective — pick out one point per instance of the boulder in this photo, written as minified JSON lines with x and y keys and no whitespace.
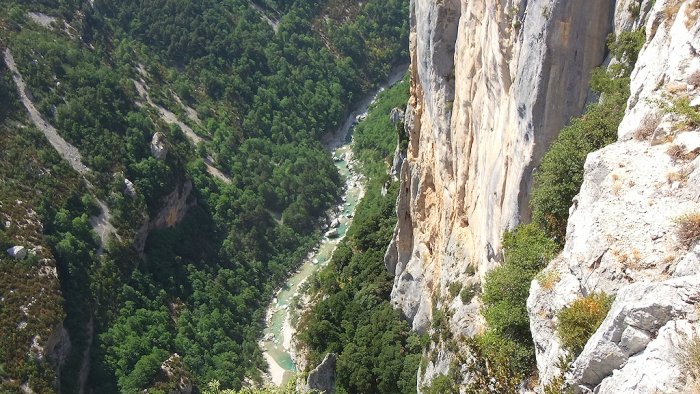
{"x":158,"y":148}
{"x":322,"y":378}
{"x":129,"y":188}
{"x":639,"y":312}
{"x":17,"y":252}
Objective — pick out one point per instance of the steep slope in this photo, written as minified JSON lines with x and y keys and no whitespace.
{"x":632,"y":230}
{"x":493,"y":83}
{"x":205,"y":180}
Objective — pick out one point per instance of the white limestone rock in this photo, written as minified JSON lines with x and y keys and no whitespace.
{"x":129,"y":188}
{"x":621,"y":235}
{"x":17,"y":252}
{"x":158,"y":148}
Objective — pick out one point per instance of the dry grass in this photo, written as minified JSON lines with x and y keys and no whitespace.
{"x":688,"y":357}
{"x":632,"y":260}
{"x":548,"y":279}
{"x":672,"y":9}
{"x":676,"y":87}
{"x":647,"y":127}
{"x":688,"y":229}
{"x":678,"y":153}
{"x":678,"y":176}
{"x":692,"y":13}
{"x":617,"y":187}
{"x":694,"y":78}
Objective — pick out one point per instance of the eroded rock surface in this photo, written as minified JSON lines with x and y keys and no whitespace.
{"x":622,"y":236}
{"x":492,"y":85}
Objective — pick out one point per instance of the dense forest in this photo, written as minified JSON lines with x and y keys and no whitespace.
{"x":258,"y":86}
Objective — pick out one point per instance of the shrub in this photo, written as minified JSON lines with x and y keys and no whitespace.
{"x":505,"y":352}
{"x":443,"y":384}
{"x":548,"y":278}
{"x":647,"y":127}
{"x":688,"y":229}
{"x":454,"y":289}
{"x":580,"y":320}
{"x":681,"y":106}
{"x":468,"y":292}
{"x":688,"y":357}
{"x":527,"y":250}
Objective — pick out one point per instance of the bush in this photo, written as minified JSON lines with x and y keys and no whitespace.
{"x":689,"y":357}
{"x":580,"y":320}
{"x":688,"y":230}
{"x":454,"y":289}
{"x":517,"y":357}
{"x":443,"y":384}
{"x":468,"y":292}
{"x":527,"y":250}
{"x":681,"y":106}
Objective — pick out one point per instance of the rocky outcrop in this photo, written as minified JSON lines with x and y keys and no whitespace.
{"x":174,"y":371}
{"x":129,"y":188}
{"x":174,"y":208}
{"x":492,"y":84}
{"x":31,"y":300}
{"x":637,"y":315}
{"x":623,"y":233}
{"x":158,"y":148}
{"x":322,"y":378}
{"x":17,"y":252}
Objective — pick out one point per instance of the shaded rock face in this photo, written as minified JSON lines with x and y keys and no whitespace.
{"x":322,"y":378}
{"x":174,"y":208}
{"x":623,"y":231}
{"x":492,"y":84}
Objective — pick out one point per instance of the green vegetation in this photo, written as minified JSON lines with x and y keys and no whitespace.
{"x":374,"y":143}
{"x":213,"y":387}
{"x":34,"y":182}
{"x":560,"y":173}
{"x":581,"y":319}
{"x":353,"y":317}
{"x":505,"y":351}
{"x":527,"y":250}
{"x":443,"y":384}
{"x":263,"y":101}
{"x":681,"y":106}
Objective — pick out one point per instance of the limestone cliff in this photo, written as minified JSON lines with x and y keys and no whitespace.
{"x":623,"y":236}
{"x":492,"y":84}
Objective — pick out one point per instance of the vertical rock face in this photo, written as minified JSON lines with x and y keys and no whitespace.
{"x":174,"y":206}
{"x":492,"y":84}
{"x":623,"y":236}
{"x":322,"y":378}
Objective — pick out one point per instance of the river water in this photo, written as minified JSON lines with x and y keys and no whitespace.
{"x":278,"y":331}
